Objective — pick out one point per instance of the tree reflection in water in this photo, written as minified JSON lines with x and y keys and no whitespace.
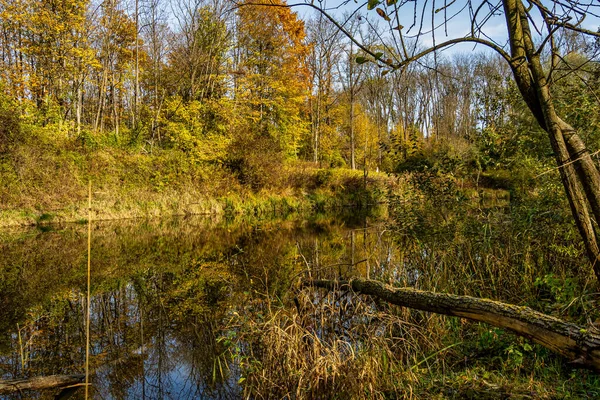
{"x":164,"y":294}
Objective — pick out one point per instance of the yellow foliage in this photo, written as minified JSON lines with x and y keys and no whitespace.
{"x":274,"y":84}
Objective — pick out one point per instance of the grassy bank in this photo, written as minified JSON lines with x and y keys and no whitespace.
{"x":45,"y":180}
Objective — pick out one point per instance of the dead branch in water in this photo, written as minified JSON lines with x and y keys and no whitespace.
{"x":40,"y":383}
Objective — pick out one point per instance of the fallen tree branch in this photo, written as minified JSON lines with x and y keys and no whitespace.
{"x":40,"y":383}
{"x":57,"y":381}
{"x":574,"y":342}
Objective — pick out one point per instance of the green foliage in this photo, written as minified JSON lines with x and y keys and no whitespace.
{"x":516,"y":352}
{"x":199,"y":129}
{"x":437,"y":187}
{"x":197,"y":61}
{"x":493,"y":147}
{"x":504,"y":351}
{"x":558,"y":293}
{"x":45,"y":218}
{"x":520,"y":176}
{"x":576,"y":98}
{"x":323,"y":177}
{"x":335,"y":160}
{"x":88,"y":140}
{"x":431,"y":155}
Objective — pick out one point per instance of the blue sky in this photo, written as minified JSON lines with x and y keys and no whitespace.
{"x":458,"y":12}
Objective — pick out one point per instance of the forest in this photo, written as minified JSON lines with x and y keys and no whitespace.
{"x":399,"y":201}
{"x":197,"y":85}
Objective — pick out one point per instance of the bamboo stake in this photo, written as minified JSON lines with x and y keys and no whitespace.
{"x":87,"y":323}
{"x":21,"y":347}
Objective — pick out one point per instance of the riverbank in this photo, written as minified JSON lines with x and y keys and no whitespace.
{"x":47,"y":183}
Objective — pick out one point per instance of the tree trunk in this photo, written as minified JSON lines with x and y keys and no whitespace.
{"x":578,"y":172}
{"x":98,"y":124}
{"x":79,"y":106}
{"x":317,"y":123}
{"x":136,"y":86}
{"x":580,"y":347}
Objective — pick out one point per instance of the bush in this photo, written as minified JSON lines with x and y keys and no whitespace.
{"x":255,"y":160}
{"x":439,"y":156}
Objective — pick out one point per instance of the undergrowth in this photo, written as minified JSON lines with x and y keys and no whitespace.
{"x":45,"y":176}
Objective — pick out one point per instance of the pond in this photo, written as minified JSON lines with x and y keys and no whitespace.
{"x":187,"y":308}
{"x":163,"y":296}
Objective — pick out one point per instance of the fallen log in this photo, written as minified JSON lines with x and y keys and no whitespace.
{"x":576,"y":343}
{"x":40,"y":383}
{"x":55,"y":381}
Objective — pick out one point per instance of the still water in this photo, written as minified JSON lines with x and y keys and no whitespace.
{"x":164,"y":295}
{"x":192,"y":308}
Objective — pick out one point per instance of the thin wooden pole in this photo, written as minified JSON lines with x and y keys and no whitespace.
{"x":21,"y":347}
{"x":87,"y":322}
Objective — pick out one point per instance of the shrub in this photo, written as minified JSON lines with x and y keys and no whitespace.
{"x":255,"y":159}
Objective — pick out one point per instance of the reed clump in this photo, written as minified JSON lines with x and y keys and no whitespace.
{"x":324,"y":345}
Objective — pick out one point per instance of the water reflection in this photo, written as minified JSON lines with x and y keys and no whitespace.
{"x":164,"y":293}
{"x":194,"y":308}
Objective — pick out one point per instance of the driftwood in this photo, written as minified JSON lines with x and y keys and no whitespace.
{"x":40,"y":383}
{"x":576,"y":343}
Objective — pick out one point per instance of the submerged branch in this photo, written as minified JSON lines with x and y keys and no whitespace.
{"x":574,"y":342}
{"x":40,"y":383}
{"x":59,"y":381}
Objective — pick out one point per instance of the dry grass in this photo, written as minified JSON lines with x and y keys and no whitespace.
{"x":333,"y":345}
{"x":329,"y":345}
{"x":337,"y":345}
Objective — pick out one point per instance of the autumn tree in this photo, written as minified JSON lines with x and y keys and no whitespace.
{"x":198,"y":115}
{"x":324,"y":40}
{"x":197,"y":59}
{"x":378,"y":99}
{"x":352,"y":74}
{"x":454,"y":88}
{"x":274,"y":78}
{"x":116,"y":43}
{"x":45,"y":50}
{"x":155,"y":33}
